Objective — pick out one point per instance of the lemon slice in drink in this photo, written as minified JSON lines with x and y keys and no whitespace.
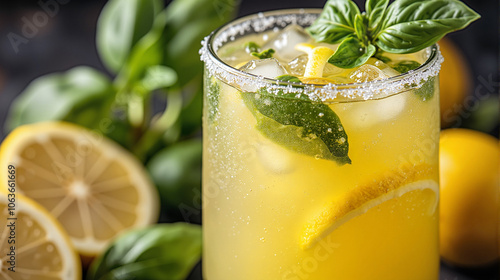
{"x":317,"y":59}
{"x":363,"y":198}
{"x":42,"y":248}
{"x":91,"y":185}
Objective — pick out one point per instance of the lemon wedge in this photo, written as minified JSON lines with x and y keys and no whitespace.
{"x":362,"y":198}
{"x":95,"y":188}
{"x":42,"y":249}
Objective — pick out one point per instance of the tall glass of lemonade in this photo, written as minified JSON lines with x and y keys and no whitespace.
{"x":312,"y":171}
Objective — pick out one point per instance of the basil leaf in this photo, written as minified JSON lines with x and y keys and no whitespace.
{"x":158,"y":77}
{"x":412,"y":25}
{"x":213,"y":88}
{"x":336,"y":21}
{"x":288,"y":78}
{"x":426,"y":91}
{"x":300,"y":124}
{"x":404,"y":66}
{"x":120,"y":26}
{"x":81,"y":95}
{"x":189,"y":21}
{"x":161,"y":252}
{"x":251,"y":47}
{"x":375,"y":10}
{"x":174,"y":39}
{"x":264,"y":54}
{"x":183,"y":181}
{"x":360,"y":27}
{"x":351,"y":53}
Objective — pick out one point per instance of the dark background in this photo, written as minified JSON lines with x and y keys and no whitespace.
{"x":68,"y":40}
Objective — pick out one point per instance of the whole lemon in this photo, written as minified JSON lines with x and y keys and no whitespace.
{"x":454,"y":82}
{"x":469,"y":199}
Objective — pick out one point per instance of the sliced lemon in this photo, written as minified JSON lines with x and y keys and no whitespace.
{"x":41,"y":247}
{"x":91,"y":185}
{"x":361,"y":199}
{"x":317,"y":59}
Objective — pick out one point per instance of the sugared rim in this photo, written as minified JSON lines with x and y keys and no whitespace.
{"x":327,"y":93}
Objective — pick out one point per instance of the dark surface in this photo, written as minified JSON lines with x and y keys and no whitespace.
{"x":68,"y":40}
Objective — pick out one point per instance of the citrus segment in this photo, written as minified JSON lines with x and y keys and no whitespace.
{"x":92,"y":186}
{"x":42,"y":248}
{"x":318,"y":57}
{"x":363,"y":198}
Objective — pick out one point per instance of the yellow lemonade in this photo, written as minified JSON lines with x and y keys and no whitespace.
{"x":280,"y":202}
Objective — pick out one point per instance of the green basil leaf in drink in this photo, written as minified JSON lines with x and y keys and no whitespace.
{"x":426,"y":91}
{"x":213,"y":89}
{"x":300,"y":124}
{"x":264,"y":54}
{"x":251,"y":47}
{"x":375,"y":10}
{"x":81,"y":95}
{"x":160,"y":252}
{"x":158,"y":77}
{"x":351,"y":53}
{"x":288,"y":78}
{"x":121,"y":25}
{"x":336,"y":21}
{"x":412,"y":25}
{"x":404,"y":66}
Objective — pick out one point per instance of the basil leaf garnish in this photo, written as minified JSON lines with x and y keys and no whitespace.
{"x":251,"y":47}
{"x":426,"y":91}
{"x":351,"y":53}
{"x":375,"y":10}
{"x":412,"y":25}
{"x":404,"y":66}
{"x":405,"y":26}
{"x":336,"y":21}
{"x":264,"y":54}
{"x":299,"y":124}
{"x":288,"y":78}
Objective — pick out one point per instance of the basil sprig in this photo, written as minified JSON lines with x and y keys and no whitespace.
{"x":405,"y":26}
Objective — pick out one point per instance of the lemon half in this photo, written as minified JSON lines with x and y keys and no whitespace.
{"x":91,"y":185}
{"x":42,"y":248}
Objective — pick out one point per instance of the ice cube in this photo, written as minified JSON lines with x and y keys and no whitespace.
{"x":367,"y":73}
{"x":389,"y":71}
{"x":269,"y":68}
{"x":331,"y":70}
{"x":284,"y":43}
{"x":371,"y":112}
{"x":298,"y":65}
{"x":274,"y":158}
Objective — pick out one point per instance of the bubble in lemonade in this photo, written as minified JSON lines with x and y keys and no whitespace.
{"x":317,"y":164}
